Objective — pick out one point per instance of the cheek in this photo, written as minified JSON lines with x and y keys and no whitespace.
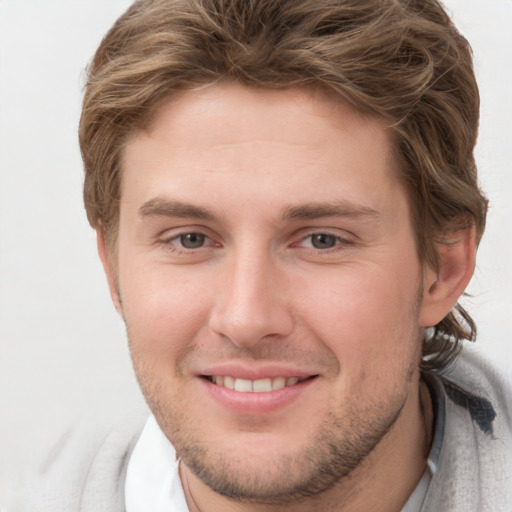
{"x":163,"y":310}
{"x":367,"y":316}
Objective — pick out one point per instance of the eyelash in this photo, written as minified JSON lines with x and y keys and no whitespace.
{"x":341,"y":243}
{"x":174,"y":243}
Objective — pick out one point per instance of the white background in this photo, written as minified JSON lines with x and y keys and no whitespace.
{"x":63,"y":354}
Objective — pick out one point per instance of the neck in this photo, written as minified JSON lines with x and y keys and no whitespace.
{"x":383,"y":482}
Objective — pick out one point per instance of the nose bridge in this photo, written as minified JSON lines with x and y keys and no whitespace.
{"x":250,"y":304}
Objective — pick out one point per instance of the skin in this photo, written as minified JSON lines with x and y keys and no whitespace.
{"x":264,"y":233}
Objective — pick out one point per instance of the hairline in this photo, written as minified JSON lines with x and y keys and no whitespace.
{"x":397,"y":162}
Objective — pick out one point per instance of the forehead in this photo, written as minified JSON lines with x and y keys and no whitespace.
{"x":258,"y":113}
{"x":281,"y":144}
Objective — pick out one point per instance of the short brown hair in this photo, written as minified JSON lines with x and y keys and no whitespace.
{"x":400,"y":60}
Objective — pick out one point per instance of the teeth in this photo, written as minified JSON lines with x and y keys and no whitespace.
{"x":255,"y":386}
{"x":278,"y":383}
{"x":262,"y":385}
{"x":243,"y":385}
{"x":229,"y":382}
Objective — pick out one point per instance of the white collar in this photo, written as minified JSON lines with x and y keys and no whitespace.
{"x":152,"y":478}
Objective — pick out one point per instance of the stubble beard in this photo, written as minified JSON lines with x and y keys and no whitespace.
{"x":341,"y":444}
{"x":325,"y":462}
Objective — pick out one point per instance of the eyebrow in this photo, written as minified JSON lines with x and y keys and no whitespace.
{"x":169,"y":208}
{"x":160,"y":206}
{"x":337,"y":209}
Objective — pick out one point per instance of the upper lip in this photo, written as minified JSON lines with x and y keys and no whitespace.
{"x":265,"y":371}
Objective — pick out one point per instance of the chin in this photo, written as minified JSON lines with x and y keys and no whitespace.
{"x":276,"y":474}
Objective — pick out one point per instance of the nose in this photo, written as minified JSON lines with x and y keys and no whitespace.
{"x":251,"y":301}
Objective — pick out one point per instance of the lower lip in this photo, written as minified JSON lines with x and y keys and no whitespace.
{"x":256,"y":403}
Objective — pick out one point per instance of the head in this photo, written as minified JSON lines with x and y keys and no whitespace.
{"x":401,"y":62}
{"x":284,"y":190}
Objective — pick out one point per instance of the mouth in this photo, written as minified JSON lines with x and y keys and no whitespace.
{"x":255,"y":386}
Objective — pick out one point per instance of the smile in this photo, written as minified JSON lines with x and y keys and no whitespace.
{"x":254,"y":386}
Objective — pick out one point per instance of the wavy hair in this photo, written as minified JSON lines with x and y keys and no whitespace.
{"x":400,"y":60}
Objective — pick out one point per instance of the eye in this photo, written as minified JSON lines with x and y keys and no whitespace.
{"x":323,"y":240}
{"x":191,"y":240}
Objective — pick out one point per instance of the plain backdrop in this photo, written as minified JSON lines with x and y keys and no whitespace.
{"x":63,"y":354}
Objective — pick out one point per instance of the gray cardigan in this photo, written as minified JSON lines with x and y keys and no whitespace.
{"x":86,"y":471}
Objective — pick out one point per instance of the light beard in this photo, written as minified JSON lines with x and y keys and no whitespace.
{"x":340,"y":444}
{"x":339,"y":448}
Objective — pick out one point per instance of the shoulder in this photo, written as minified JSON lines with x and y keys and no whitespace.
{"x":475,"y":365}
{"x":83,"y":472}
{"x":483,"y":386}
{"x":474,"y":471}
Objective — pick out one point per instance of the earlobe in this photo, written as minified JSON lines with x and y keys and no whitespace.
{"x":105,"y":257}
{"x":442,"y":288}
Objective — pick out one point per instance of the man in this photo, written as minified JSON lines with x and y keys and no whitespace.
{"x":287,"y":211}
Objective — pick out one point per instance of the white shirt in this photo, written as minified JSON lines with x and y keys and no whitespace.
{"x":152,"y":478}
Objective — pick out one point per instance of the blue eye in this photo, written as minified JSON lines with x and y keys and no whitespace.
{"x":323,"y":241}
{"x":192,"y":240}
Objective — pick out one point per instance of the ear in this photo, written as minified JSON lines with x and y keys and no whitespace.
{"x":443,"y":288}
{"x":106,"y":261}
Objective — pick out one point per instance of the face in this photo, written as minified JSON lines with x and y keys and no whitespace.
{"x":268,"y":277}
